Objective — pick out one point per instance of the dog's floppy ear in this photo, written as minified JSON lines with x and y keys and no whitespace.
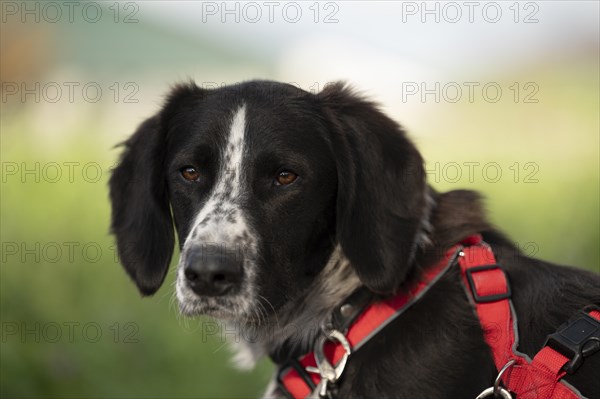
{"x":381,"y":189}
{"x":141,"y":217}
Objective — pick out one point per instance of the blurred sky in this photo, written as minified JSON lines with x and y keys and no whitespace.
{"x":440,"y":36}
{"x":375,"y":45}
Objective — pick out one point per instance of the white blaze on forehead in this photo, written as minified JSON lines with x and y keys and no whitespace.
{"x":232,"y":161}
{"x":221,"y":207}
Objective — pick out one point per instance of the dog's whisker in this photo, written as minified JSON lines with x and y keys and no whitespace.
{"x":261,"y":297}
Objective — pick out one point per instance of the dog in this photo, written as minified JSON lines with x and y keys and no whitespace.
{"x":286,"y":202}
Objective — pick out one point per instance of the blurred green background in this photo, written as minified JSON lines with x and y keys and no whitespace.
{"x":73,"y":324}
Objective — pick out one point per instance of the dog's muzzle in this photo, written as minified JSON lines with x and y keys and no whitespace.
{"x":213,"y":270}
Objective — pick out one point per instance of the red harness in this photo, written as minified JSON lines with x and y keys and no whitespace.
{"x":489,"y":291}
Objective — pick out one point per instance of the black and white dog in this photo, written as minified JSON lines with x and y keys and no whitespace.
{"x":286,"y":202}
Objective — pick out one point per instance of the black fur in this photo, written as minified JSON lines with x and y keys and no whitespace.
{"x":381,"y":188}
{"x":362,"y":186}
{"x":441,"y":353}
{"x":141,"y":219}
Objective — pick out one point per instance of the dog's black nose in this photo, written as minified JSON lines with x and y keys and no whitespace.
{"x":212,"y":272}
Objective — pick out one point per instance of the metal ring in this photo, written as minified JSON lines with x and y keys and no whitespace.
{"x":496,"y":391}
{"x":324,"y":368}
{"x":335,"y":335}
{"x":498,"y":380}
{"x":489,"y":393}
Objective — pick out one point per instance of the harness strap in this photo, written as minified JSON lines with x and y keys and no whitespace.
{"x":489,"y":291}
{"x":490,"y":294}
{"x":295,"y":383}
{"x":541,"y":379}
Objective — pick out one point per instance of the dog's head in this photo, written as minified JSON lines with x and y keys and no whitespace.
{"x":263,"y":181}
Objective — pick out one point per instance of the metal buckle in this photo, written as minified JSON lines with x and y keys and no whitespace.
{"x":577,"y":339}
{"x":329,"y":374}
{"x":486,"y":298}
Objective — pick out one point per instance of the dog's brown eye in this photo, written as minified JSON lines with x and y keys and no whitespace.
{"x":190,"y":173}
{"x":285,"y":177}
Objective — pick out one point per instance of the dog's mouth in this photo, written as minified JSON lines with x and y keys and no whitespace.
{"x":221,"y":309}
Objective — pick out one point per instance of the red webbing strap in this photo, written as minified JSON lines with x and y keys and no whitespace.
{"x":536,"y":380}
{"x":495,"y":316}
{"x":540,"y":379}
{"x":375,"y":317}
{"x":490,"y":292}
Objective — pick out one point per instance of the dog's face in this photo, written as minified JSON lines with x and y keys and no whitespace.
{"x":263,"y":181}
{"x":252,"y":183}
